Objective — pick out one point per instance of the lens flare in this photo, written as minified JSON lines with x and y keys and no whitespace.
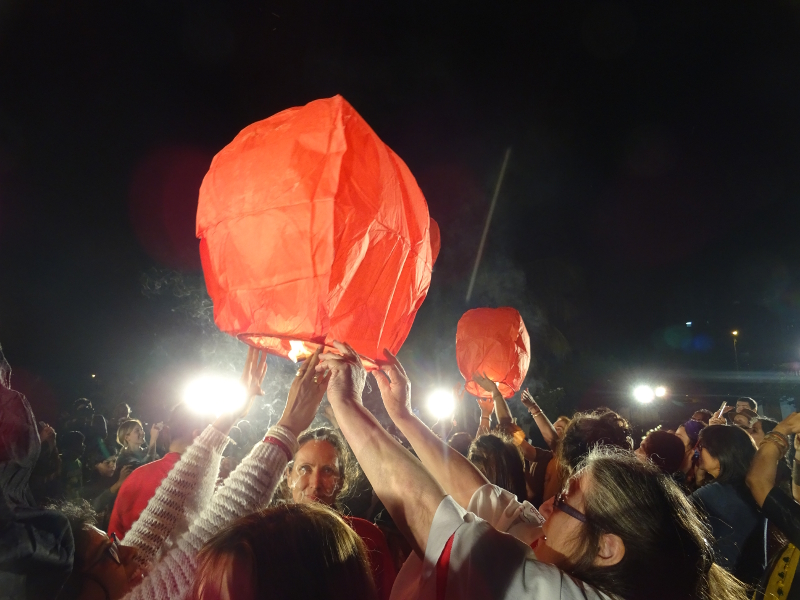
{"x":660,"y":391}
{"x":643,"y":394}
{"x":214,"y":394}
{"x":441,"y":403}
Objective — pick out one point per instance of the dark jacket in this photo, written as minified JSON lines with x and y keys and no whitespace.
{"x":740,"y":531}
{"x":36,"y":546}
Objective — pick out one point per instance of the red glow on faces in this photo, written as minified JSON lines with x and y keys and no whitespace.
{"x":163,"y":204}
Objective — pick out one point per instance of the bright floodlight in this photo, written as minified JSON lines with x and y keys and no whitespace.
{"x":441,"y":403}
{"x":643,"y":394}
{"x":660,"y":391}
{"x":214,"y":394}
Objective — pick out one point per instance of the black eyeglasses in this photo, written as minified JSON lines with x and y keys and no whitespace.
{"x":561,"y":504}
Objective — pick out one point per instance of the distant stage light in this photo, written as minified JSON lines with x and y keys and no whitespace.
{"x":214,"y":394}
{"x":441,"y":403}
{"x":688,"y":323}
{"x":660,"y":391}
{"x":643,"y":394}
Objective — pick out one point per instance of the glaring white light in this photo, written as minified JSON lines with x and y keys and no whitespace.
{"x":441,"y":403}
{"x":298,"y":351}
{"x":688,"y":323}
{"x":214,"y":394}
{"x":660,"y":391}
{"x":643,"y":394}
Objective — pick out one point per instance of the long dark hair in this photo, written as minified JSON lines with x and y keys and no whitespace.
{"x":732,"y":447}
{"x":499,"y":459}
{"x":288,"y":552}
{"x":667,"y":550}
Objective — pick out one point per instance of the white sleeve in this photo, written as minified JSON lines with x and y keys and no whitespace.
{"x":182,"y":492}
{"x":501,"y":509}
{"x":248,"y":488}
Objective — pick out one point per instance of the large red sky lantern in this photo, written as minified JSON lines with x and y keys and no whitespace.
{"x":494,"y":342}
{"x":312,"y":229}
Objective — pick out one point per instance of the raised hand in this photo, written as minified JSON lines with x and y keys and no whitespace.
{"x":486,"y":383}
{"x":486,"y":405}
{"x":394,"y":386}
{"x":155,"y":430}
{"x":305,"y":394}
{"x":123,"y":475}
{"x":255,"y":368}
{"x":528,"y":401}
{"x":790,"y":425}
{"x":347,"y":374}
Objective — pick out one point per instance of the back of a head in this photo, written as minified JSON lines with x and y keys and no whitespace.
{"x":734,"y":449}
{"x":460,"y":441}
{"x":767,"y":424}
{"x":288,"y":552}
{"x":501,"y":462}
{"x":667,"y":553}
{"x":184,"y":422}
{"x":665,"y":450}
{"x":591,"y":429}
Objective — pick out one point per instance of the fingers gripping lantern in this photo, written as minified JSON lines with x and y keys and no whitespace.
{"x":312,"y":229}
{"x":493,"y":341}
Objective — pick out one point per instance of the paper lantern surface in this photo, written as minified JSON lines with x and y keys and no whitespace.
{"x":312,"y":229}
{"x":495,"y":342}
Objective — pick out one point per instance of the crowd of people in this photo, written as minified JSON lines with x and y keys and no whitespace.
{"x":331,"y":502}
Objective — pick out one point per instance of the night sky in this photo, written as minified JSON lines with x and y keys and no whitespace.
{"x":653,"y":180}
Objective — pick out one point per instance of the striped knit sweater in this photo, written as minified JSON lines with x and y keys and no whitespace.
{"x":188,"y":490}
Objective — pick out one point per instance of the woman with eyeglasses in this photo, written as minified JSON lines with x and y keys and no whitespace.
{"x":619,"y":529}
{"x":740,"y":531}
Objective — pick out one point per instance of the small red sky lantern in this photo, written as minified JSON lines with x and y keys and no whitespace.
{"x":311,"y":229}
{"x":493,"y":341}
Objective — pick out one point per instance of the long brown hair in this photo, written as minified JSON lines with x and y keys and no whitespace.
{"x":668,"y":553}
{"x":288,"y":552}
{"x":500,"y":460}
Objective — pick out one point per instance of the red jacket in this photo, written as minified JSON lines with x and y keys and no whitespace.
{"x":135,"y":493}
{"x":380,"y":558}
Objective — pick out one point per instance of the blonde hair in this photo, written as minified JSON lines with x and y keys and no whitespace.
{"x":125,"y":429}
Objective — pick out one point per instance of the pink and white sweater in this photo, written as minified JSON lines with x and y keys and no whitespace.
{"x":188,"y":492}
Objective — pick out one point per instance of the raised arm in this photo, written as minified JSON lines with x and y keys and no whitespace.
{"x":191,"y":481}
{"x":452,"y":471}
{"x":249,"y":487}
{"x":487,"y":408}
{"x":542,"y":422}
{"x":155,"y":430}
{"x":500,"y":405}
{"x":764,"y":468}
{"x":406,"y":488}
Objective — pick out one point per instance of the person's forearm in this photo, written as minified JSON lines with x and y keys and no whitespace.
{"x":545,"y":428}
{"x":251,"y":486}
{"x":151,"y":450}
{"x":501,"y":408}
{"x":451,"y":470}
{"x":763,"y":470}
{"x":484,"y":426}
{"x":796,"y":478}
{"x":190,"y":482}
{"x":406,"y":488}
